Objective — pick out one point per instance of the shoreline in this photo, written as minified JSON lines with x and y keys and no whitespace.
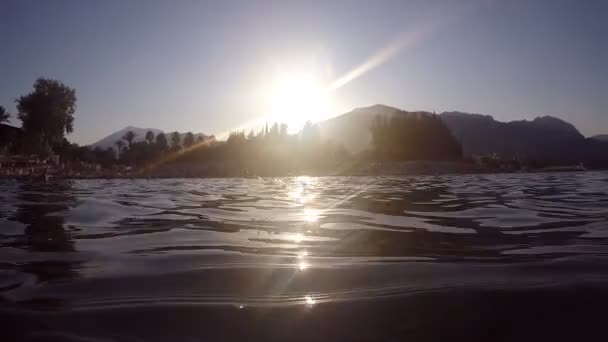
{"x":410,"y":168}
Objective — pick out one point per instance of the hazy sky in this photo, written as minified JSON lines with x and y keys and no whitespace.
{"x":199,"y":65}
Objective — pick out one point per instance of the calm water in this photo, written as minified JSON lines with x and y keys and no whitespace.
{"x":362,"y":258}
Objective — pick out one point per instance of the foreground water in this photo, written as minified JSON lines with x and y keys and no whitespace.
{"x":503,"y":257}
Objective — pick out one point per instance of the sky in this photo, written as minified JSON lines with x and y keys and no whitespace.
{"x":206,"y":66}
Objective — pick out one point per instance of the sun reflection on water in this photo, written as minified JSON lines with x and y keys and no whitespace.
{"x":298,"y":237}
{"x":308,"y":180}
{"x":303,"y":265}
{"x":311,"y":215}
{"x":300,"y":196}
{"x":309,"y":300}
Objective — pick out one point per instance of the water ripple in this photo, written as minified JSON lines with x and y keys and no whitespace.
{"x":71,"y":231}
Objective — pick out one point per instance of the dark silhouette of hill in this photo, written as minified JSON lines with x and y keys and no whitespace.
{"x":600,"y":137}
{"x":481,"y":134}
{"x":545,"y":139}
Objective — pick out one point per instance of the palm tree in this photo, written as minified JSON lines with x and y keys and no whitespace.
{"x":189,"y":139}
{"x":283,"y":130}
{"x":120,"y":144}
{"x":129,"y":136}
{"x":175,"y":140}
{"x":149,"y":137}
{"x":4,"y":115}
{"x":161,"y":141}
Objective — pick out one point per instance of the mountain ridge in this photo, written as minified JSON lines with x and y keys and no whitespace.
{"x":600,"y":137}
{"x":543,"y":138}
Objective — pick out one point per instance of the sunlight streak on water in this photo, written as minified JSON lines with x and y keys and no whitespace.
{"x":302,"y":191}
{"x":311,"y":215}
{"x":309,"y":300}
{"x":303,"y":265}
{"x":297,"y":238}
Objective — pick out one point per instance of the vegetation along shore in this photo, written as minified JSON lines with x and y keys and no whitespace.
{"x":376,"y":140}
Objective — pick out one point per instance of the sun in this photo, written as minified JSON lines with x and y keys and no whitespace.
{"x":297,"y":97}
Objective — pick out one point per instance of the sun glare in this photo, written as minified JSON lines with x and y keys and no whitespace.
{"x":309,"y":300}
{"x":303,"y":265}
{"x":297,"y":97}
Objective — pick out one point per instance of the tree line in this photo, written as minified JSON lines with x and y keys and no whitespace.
{"x":271,"y":151}
{"x":413,"y":136}
{"x":153,"y":147}
{"x":47,"y":115}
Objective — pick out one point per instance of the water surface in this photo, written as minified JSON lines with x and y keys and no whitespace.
{"x":290,"y":253}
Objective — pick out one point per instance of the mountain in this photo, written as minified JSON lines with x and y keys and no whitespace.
{"x":352,"y":129}
{"x":140,"y":135}
{"x":600,"y":137}
{"x":110,"y":140}
{"x":543,"y":138}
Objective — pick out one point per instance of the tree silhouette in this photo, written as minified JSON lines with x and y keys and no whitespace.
{"x":161,"y":141}
{"x":283,"y":130}
{"x":413,"y":136}
{"x":274,"y":130}
{"x":149,"y":137}
{"x":129,"y":136}
{"x":189,"y":139}
{"x":175,"y":141}
{"x":310,"y":133}
{"x":47,"y":113}
{"x":4,"y":115}
{"x":250,"y":154}
{"x":120,"y":144}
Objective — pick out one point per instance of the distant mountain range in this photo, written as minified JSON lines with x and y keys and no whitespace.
{"x":481,"y":134}
{"x":140,"y":135}
{"x":544,"y":138}
{"x":600,"y":137}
